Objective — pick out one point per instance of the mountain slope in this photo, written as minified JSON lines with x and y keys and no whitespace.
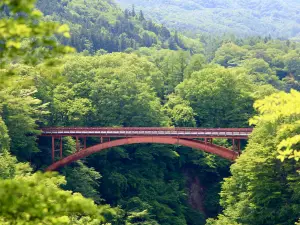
{"x":242,"y":17}
{"x":101,"y":24}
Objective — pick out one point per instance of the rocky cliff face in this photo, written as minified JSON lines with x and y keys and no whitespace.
{"x":196,"y":194}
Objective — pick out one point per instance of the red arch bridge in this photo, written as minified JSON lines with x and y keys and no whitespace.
{"x":197,"y":138}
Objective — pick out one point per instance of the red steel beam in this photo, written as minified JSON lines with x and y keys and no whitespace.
{"x":207,"y":147}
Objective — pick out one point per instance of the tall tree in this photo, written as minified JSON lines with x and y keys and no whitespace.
{"x":141,"y":16}
{"x":219,"y":97}
{"x":263,"y":189}
{"x":133,"y":13}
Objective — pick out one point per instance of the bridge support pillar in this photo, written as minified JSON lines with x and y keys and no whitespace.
{"x":239,"y":146}
{"x":236,"y":145}
{"x":208,"y":140}
{"x":53,"y":149}
{"x":60,"y":148}
{"x":84,"y":142}
{"x":77,"y":144}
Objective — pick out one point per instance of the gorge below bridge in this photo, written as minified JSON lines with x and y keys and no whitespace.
{"x":196,"y":138}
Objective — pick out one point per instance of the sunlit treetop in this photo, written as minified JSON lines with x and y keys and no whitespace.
{"x":38,"y":199}
{"x":282,"y":110}
{"x":23,"y":34}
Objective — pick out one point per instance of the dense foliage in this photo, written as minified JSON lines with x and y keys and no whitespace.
{"x":278,"y":18}
{"x":25,"y":198}
{"x":118,"y":79}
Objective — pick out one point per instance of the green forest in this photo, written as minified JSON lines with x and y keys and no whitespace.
{"x":279,"y":18}
{"x":88,"y":63}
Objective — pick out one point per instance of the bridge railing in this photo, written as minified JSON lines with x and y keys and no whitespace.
{"x":147,"y":131}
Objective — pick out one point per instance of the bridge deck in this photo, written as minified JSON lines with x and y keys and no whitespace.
{"x":236,"y":133}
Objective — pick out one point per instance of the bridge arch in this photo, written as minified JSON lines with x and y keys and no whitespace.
{"x":200,"y":145}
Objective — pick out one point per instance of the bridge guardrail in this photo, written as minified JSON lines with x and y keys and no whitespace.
{"x":146,"y":131}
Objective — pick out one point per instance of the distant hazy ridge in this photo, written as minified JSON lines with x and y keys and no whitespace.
{"x":242,"y":17}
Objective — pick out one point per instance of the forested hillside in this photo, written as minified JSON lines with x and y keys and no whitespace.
{"x":278,"y":18}
{"x":97,"y":25}
{"x":119,"y":79}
